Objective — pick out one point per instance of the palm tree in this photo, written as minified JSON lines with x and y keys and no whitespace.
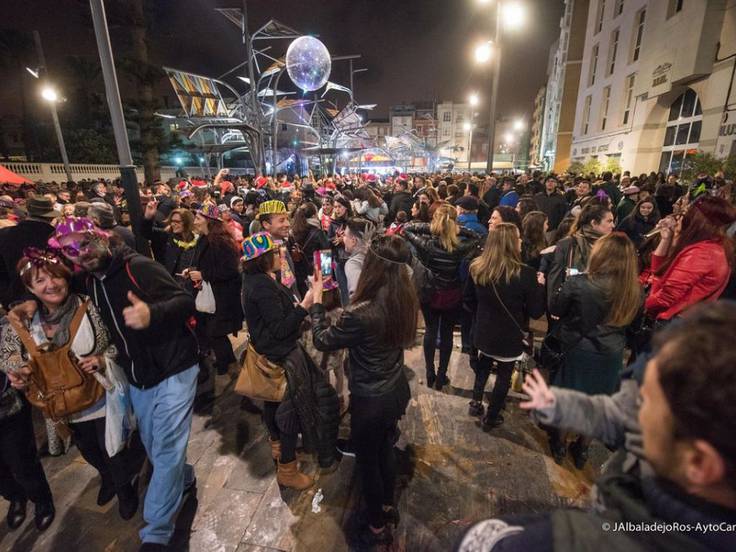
{"x":16,"y":48}
{"x":84,"y":74}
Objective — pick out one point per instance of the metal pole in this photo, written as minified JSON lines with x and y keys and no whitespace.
{"x":496,"y":77}
{"x":60,"y":138}
{"x":470,"y":148}
{"x":275,"y":127}
{"x":128,"y":178}
{"x":42,"y":72}
{"x":252,"y":91}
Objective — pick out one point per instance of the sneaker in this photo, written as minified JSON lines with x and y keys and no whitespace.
{"x":345,"y":446}
{"x":476,"y":409}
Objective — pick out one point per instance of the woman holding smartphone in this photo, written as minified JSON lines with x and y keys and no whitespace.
{"x":376,"y":327}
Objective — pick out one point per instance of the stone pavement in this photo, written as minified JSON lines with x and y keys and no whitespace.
{"x":451,"y":474}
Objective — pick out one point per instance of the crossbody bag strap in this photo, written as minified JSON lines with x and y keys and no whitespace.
{"x":77,"y":320}
{"x":24,"y":335}
{"x":511,"y":316}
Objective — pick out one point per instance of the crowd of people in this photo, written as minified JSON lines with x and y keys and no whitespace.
{"x":111,"y":325}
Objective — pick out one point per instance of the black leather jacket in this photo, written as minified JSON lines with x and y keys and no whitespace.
{"x":445,"y":266}
{"x":375,"y":369}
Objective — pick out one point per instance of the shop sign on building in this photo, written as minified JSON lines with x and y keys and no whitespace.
{"x":661,"y":79}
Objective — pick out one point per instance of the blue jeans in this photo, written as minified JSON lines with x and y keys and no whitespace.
{"x":164,"y":414}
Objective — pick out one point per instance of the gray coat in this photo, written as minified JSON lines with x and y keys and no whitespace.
{"x":614,"y":419}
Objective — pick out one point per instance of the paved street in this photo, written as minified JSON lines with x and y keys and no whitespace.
{"x":451,"y":475}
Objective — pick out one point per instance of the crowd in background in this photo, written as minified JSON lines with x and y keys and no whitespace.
{"x":607,"y":261}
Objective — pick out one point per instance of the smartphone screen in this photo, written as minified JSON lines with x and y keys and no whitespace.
{"x":324,"y":258}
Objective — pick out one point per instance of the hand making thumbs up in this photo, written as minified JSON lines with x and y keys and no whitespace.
{"x":137,"y":316}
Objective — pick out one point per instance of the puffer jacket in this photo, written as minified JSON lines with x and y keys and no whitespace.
{"x":375,"y":369}
{"x":583,"y":309}
{"x":700,"y":272}
{"x":444,"y":266}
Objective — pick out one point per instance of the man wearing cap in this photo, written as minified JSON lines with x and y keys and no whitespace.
{"x":274,"y":219}
{"x":34,"y":231}
{"x":467,"y":214}
{"x":237,"y":211}
{"x":103,"y":216}
{"x":627,"y":203}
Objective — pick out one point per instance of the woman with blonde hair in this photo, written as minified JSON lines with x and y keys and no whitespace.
{"x":441,"y":247}
{"x":594,"y":309}
{"x":502,"y":293}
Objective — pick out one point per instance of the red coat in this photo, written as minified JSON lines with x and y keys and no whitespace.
{"x":699,"y":272}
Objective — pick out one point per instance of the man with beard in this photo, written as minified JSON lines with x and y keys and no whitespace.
{"x":145,"y":310}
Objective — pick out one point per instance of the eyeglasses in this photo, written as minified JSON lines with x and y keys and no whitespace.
{"x":75,"y":249}
{"x":175,"y":221}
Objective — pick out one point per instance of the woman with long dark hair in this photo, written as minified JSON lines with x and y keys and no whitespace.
{"x":370,"y":205}
{"x":694,"y":258}
{"x":376,"y":327}
{"x":642,"y":220}
{"x":594,"y":308}
{"x":502,"y":293}
{"x":215,"y":262}
{"x":305,"y":237}
{"x":341,"y":212}
{"x":504,"y":213}
{"x":533,"y":238}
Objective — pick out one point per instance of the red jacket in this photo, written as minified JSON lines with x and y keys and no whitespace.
{"x":699,"y":272}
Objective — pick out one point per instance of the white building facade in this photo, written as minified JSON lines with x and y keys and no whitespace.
{"x":656,"y":83}
{"x":451,"y":119}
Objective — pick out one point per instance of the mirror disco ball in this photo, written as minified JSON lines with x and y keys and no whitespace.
{"x":308,"y":63}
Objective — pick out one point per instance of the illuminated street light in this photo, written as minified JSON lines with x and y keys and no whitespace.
{"x":483,"y":52}
{"x":508,"y":138}
{"x":519,"y":125}
{"x":467,"y":126}
{"x":474,"y":99}
{"x":513,"y":14}
{"x":49,"y":94}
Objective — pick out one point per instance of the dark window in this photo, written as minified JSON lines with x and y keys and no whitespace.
{"x":688,"y":103}
{"x":675,"y":109}
{"x":682,"y":134}
{"x":698,"y":109}
{"x":664,"y":163}
{"x":669,"y":136}
{"x":695,"y":132}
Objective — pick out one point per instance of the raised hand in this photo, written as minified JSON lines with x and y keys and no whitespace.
{"x":540,"y":395}
{"x":138,"y":315}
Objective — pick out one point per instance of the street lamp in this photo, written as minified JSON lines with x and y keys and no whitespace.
{"x":512,"y":15}
{"x":468,"y":127}
{"x":519,"y":125}
{"x":483,"y":52}
{"x":49,"y":94}
{"x":474,"y":100}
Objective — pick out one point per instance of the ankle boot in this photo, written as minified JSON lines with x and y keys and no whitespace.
{"x":288,"y":475}
{"x":275,"y":449}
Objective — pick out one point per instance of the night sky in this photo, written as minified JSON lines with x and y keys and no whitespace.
{"x":413,"y":49}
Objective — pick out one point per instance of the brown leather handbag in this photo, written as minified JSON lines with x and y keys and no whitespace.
{"x":57,"y":385}
{"x":260,"y":378}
